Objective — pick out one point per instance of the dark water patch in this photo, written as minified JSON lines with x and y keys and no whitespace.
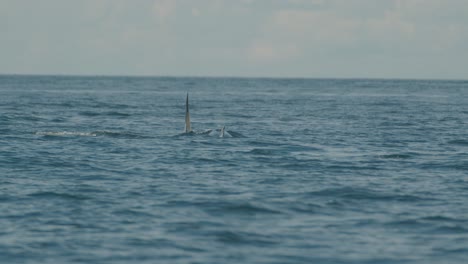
{"x":224,"y":208}
{"x":239,"y":115}
{"x":432,"y":224}
{"x":5,"y":198}
{"x":304,"y":148}
{"x":451,"y":229}
{"x":22,"y":118}
{"x":348,"y":193}
{"x":458,"y":142}
{"x":406,"y":223}
{"x":263,"y":151}
{"x":444,"y":219}
{"x":292,"y":119}
{"x":110,"y":114}
{"x":183,"y":135}
{"x":11,"y":158}
{"x":455,"y":249}
{"x":192,"y":226}
{"x":286,"y":258}
{"x":397,"y":156}
{"x":235,"y":134}
{"x":353,"y":167}
{"x":69,"y":105}
{"x":296,"y":164}
{"x":5,"y":119}
{"x":90,"y":189}
{"x":307,"y":207}
{"x":89,"y":113}
{"x":243,"y":209}
{"x":261,"y":142}
{"x":4,"y":130}
{"x":99,"y":105}
{"x":150,"y":242}
{"x":241,"y":238}
{"x":190,"y":248}
{"x":56,"y":162}
{"x":133,"y":213}
{"x":117,"y":114}
{"x":58,"y":195}
{"x":446,"y":165}
{"x":161,"y":243}
{"x":119,"y":134}
{"x":59,"y":223}
{"x":24,"y":215}
{"x":207,"y":160}
{"x":59,"y":120}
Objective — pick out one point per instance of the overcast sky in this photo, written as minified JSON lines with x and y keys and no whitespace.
{"x":277,"y":38}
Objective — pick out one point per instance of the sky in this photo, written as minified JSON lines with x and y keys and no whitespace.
{"x":421,"y":39}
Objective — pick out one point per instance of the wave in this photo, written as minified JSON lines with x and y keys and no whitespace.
{"x":451,"y":229}
{"x":110,"y":113}
{"x":17,"y":117}
{"x":441,"y":218}
{"x":132,"y":213}
{"x":234,"y":208}
{"x":65,"y":134}
{"x":264,"y":152}
{"x":459,"y":142}
{"x":433,"y":224}
{"x":49,"y":194}
{"x":117,"y":134}
{"x":235,"y":134}
{"x":456,"y":249}
{"x":105,"y":133}
{"x":242,"y":238}
{"x":247,"y":209}
{"x":89,"y":113}
{"x":396,"y":156}
{"x":365,"y":194}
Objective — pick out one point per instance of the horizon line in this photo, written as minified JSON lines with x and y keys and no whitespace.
{"x":228,"y":77}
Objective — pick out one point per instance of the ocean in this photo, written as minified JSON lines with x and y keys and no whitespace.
{"x":97,"y":170}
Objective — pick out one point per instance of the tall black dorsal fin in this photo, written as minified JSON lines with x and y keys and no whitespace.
{"x":188,"y":128}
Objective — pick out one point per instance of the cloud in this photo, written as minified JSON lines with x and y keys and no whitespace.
{"x":195,"y":12}
{"x":398,"y":27}
{"x":163,"y":9}
{"x":288,"y":34}
{"x":262,"y":51}
{"x":222,"y":37}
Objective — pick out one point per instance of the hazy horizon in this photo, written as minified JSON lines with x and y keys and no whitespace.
{"x":224,"y":77}
{"x":358,"y":39}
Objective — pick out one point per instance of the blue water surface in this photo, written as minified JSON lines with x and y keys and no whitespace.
{"x":96,"y":170}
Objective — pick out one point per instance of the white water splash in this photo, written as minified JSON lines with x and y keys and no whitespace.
{"x":66,"y":133}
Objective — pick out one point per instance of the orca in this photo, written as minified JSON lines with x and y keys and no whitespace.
{"x":221,"y":134}
{"x":188,"y":128}
{"x":211,"y":132}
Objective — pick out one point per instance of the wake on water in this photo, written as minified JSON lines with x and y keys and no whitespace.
{"x":99,"y":133}
{"x":213,"y":133}
{"x":126,"y":134}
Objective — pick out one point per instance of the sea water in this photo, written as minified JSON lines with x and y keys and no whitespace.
{"x":97,"y":170}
